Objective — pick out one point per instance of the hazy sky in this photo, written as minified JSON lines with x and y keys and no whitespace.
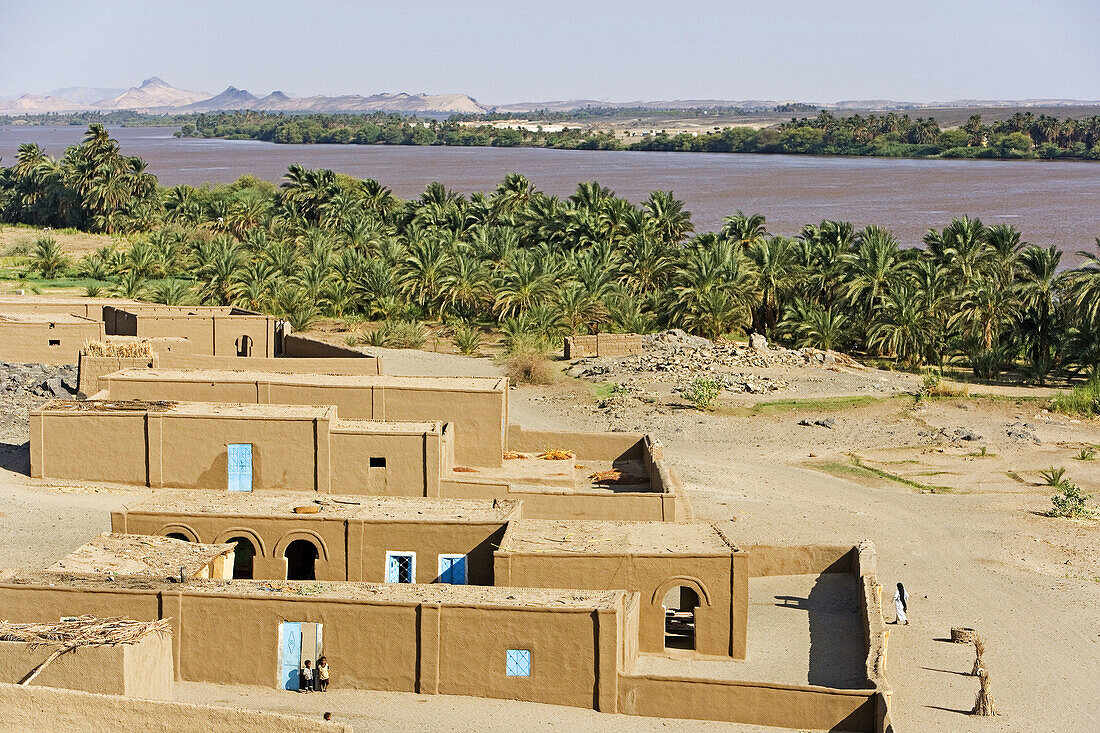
{"x":922,"y":50}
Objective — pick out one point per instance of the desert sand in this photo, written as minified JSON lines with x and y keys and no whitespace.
{"x":962,"y":528}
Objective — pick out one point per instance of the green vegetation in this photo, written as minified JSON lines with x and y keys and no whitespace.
{"x":811,"y":404}
{"x":892,"y":135}
{"x":1086,"y":454}
{"x":931,"y":488}
{"x":983,"y":453}
{"x":1070,"y":502}
{"x":1083,"y":399}
{"x":536,"y":268}
{"x":703,"y":393}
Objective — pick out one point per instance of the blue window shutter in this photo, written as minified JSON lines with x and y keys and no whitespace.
{"x":518,"y":663}
{"x":240,"y":466}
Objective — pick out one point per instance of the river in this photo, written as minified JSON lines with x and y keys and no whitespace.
{"x":1052,"y":202}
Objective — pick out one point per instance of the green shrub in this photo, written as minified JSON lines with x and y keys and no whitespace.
{"x":1086,"y":454}
{"x":93,"y":291}
{"x":703,"y":393}
{"x":379,"y":337}
{"x":407,"y":334}
{"x":1083,"y":400}
{"x":1071,"y":502}
{"x":468,"y":339}
{"x":352,"y":339}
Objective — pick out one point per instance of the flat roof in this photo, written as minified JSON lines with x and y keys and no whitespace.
{"x":597,"y":537}
{"x":384,"y":593}
{"x":282,"y":503}
{"x":65,"y":300}
{"x":476,"y":384}
{"x":247,"y":410}
{"x":133,"y":554}
{"x":40,"y":318}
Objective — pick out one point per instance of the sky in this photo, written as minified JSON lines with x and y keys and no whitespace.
{"x":500,"y":52}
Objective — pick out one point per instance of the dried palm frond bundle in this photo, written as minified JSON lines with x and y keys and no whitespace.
{"x":79,"y":632}
{"x":979,"y":650}
{"x":607,"y":476}
{"x":556,"y":454}
{"x":511,"y":455}
{"x":983,"y":705}
{"x":464,"y":469}
{"x":124,"y":349}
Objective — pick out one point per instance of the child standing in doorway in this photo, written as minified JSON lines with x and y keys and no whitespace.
{"x":322,"y":674}
{"x":307,"y":678}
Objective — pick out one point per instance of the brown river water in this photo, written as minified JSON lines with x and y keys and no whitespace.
{"x":1052,"y":202}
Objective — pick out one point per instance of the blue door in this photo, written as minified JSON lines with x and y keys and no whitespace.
{"x":290,"y":654}
{"x":240,"y":467}
{"x":452,"y":569}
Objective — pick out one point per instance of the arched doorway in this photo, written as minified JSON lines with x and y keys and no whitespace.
{"x":243,"y":557}
{"x":680,"y":603}
{"x":301,"y":560}
{"x":244,"y":346}
{"x":178,"y":536}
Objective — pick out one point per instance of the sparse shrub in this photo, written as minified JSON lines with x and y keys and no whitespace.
{"x":1070,"y":502}
{"x":1086,"y":454}
{"x":528,"y":367}
{"x":934,"y":385}
{"x":93,"y":291}
{"x":406,"y":334}
{"x":468,"y":339}
{"x":703,"y":393}
{"x":352,"y":340}
{"x":1054,"y":476}
{"x":48,"y":257}
{"x":379,"y":337}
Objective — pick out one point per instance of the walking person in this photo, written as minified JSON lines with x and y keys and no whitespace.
{"x":306,"y":678}
{"x":901,"y":605}
{"x":322,"y":674}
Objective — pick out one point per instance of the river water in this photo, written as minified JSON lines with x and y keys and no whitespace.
{"x":1051,"y":202}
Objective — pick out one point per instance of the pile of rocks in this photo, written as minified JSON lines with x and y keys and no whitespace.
{"x":26,"y":386}
{"x":681,"y":357}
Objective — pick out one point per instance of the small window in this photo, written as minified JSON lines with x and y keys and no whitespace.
{"x":400,"y":567}
{"x":55,"y":342}
{"x":518,"y":663}
{"x":378,"y":462}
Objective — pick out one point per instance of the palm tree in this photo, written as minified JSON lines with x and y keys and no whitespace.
{"x":671,"y":222}
{"x":745,"y":230}
{"x":1039,"y":293}
{"x":49,"y":258}
{"x":131,"y":285}
{"x":904,"y":327}
{"x":775,"y":259}
{"x":171,"y":292}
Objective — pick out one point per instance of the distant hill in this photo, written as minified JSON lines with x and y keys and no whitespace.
{"x":85,"y":95}
{"x":155,"y":96}
{"x":231,"y":98}
{"x":153,"y":93}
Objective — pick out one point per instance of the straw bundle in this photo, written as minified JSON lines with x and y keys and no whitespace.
{"x":124,"y":349}
{"x":83,"y":631}
{"x":464,"y":469}
{"x":983,"y":705}
{"x":511,"y":455}
{"x":79,"y":632}
{"x":979,"y":650}
{"x":556,"y":454}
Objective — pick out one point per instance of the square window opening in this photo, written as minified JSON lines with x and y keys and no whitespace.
{"x":518,"y":663}
{"x":377,"y":462}
{"x":400,"y":567}
{"x":55,"y":342}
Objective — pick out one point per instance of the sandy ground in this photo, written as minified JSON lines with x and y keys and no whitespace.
{"x":968,"y":540}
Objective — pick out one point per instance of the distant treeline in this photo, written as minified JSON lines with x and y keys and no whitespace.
{"x":582,"y":113}
{"x":892,"y":135}
{"x":115,"y":118}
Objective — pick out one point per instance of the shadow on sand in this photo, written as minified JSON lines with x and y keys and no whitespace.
{"x":16,"y":457}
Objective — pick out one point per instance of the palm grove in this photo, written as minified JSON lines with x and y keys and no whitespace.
{"x":536,"y":267}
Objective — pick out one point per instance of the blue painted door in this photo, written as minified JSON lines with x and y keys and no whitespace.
{"x":240,"y":467}
{"x":452,"y":569}
{"x":290,"y":654}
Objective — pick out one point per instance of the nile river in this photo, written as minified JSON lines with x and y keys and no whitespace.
{"x":1051,"y":202}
